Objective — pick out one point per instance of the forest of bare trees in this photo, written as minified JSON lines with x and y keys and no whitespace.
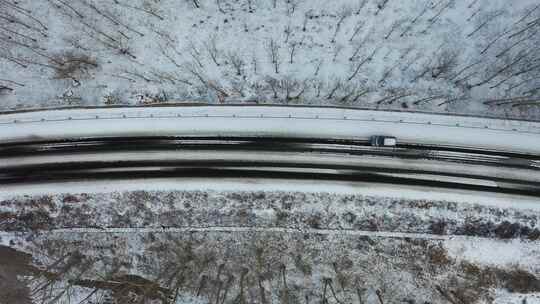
{"x":417,"y":55}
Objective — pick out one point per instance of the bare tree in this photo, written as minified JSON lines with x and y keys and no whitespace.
{"x":360,"y":6}
{"x":12,"y":82}
{"x":359,"y":46}
{"x":111,"y":18}
{"x":513,"y":45}
{"x":287,"y":32}
{"x":195,"y":54}
{"x":380,"y":6}
{"x":436,"y":17}
{"x":308,"y":15}
{"x":218,"y":3}
{"x":211,"y":48}
{"x":522,"y":82}
{"x":273,"y":51}
{"x":361,"y":63}
{"x":344,"y":12}
{"x":289,"y":86}
{"x":291,"y":6}
{"x":318,"y":67}
{"x":4,"y":88}
{"x":393,"y":97}
{"x":337,"y":85}
{"x":211,"y":85}
{"x":469,"y":66}
{"x":337,"y":49}
{"x":292,"y":51}
{"x":415,"y":19}
{"x":237,"y":62}
{"x":274,"y":85}
{"x":357,"y":29}
{"x":388,"y":72}
{"x":487,"y":18}
{"x":195,"y":3}
{"x":527,"y":27}
{"x":445,"y":62}
{"x":478,"y":10}
{"x":254,"y":63}
{"x":502,"y":70}
{"x":396,"y":24}
{"x":151,"y":12}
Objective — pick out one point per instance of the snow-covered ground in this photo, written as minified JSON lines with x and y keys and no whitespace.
{"x":228,"y":241}
{"x":256,"y":241}
{"x":473,"y":56}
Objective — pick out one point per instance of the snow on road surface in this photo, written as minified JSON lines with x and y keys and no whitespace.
{"x":305,"y":122}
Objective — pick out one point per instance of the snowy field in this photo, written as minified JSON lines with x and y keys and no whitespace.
{"x":460,"y":56}
{"x":209,"y":242}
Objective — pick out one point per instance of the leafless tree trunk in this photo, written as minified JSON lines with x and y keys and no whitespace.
{"x":361,"y":63}
{"x":357,"y":29}
{"x":333,"y":91}
{"x":273,"y":49}
{"x":500,"y":71}
{"x":415,"y":19}
{"x":394,"y":26}
{"x":196,"y":3}
{"x":344,"y":13}
{"x":506,"y":50}
{"x":360,"y":6}
{"x":292,"y":49}
{"x":465,"y":69}
{"x":434,"y":19}
{"x":237,"y":62}
{"x":478,"y":10}
{"x":142,"y":9}
{"x":337,"y":49}
{"x":211,"y":48}
{"x":318,"y":67}
{"x":529,"y":26}
{"x":255,"y":64}
{"x":380,"y":6}
{"x":489,"y":18}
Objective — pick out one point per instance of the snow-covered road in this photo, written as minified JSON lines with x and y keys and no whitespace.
{"x":272,"y":121}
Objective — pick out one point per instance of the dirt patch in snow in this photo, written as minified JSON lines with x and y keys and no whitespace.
{"x":14,"y":264}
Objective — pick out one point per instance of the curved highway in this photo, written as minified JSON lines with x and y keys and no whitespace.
{"x":307,"y":143}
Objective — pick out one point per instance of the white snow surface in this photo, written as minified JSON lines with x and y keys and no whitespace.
{"x":510,"y":253}
{"x":501,"y":201}
{"x":443,"y":56}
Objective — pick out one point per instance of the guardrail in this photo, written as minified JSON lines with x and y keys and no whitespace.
{"x":191,"y":104}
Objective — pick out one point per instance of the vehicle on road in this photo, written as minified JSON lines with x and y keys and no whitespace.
{"x":383,"y":141}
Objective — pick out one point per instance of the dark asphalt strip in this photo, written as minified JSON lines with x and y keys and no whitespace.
{"x":255,"y":144}
{"x":58,"y":168}
{"x":118,"y":169}
{"x":88,"y":175}
{"x":278,"y":143}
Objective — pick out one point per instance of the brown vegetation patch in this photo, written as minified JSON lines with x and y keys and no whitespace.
{"x":73,"y":66}
{"x":438,"y":256}
{"x":32,"y":220}
{"x":13,"y":264}
{"x":515,"y":280}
